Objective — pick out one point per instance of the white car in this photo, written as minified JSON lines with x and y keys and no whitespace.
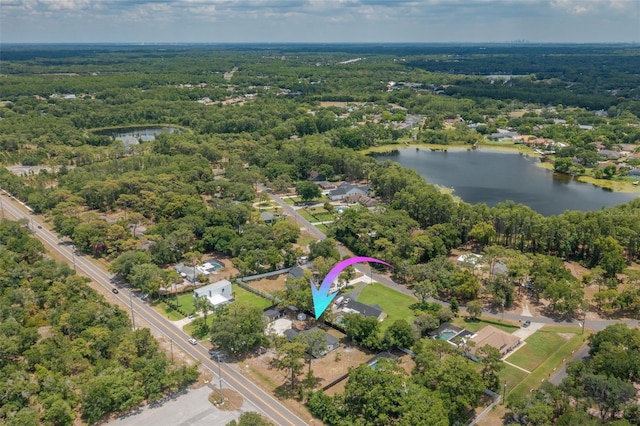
{"x":193,"y":341}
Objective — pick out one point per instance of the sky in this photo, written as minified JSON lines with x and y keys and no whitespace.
{"x":319,"y":21}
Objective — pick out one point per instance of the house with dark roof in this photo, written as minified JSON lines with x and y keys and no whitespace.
{"x":331,"y":342}
{"x":273,"y":313}
{"x":295,"y":273}
{"x":346,"y":190}
{"x":267,"y":217}
{"x":353,"y":306}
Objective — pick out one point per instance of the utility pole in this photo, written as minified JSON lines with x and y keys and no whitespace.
{"x":133,"y":320}
{"x":220,"y":378}
{"x":504,"y":393}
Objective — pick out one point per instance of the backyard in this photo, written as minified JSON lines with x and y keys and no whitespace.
{"x":543,"y":354}
{"x":185,"y":302}
{"x":393,"y":303}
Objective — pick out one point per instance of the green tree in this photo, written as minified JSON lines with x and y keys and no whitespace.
{"x":399,"y":335}
{"x":474,"y":309}
{"x":291,"y":358}
{"x":609,"y":255}
{"x":250,"y":418}
{"x":307,"y":191}
{"x":362,"y":330}
{"x":491,"y":360}
{"x":238,"y":328}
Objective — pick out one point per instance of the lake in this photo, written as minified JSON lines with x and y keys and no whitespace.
{"x":145,"y":133}
{"x":494,"y":176}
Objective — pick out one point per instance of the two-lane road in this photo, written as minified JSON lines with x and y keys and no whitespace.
{"x":267,"y":404}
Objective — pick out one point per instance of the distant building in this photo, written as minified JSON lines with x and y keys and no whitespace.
{"x":217,"y":293}
{"x":471,"y":259}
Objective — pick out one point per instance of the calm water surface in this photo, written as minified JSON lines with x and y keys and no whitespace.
{"x":491,"y":177}
{"x":145,"y":133}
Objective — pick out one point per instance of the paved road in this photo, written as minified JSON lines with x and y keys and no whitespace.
{"x":582,"y":354}
{"x":264,"y":402}
{"x":596,"y":325}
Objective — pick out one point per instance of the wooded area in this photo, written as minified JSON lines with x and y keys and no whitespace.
{"x":240,"y":117}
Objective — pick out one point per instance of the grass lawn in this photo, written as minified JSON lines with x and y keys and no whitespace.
{"x":539,"y":347}
{"x":243,"y":296}
{"x":393,"y":303}
{"x":303,"y":213}
{"x":511,"y":376}
{"x":167,"y":310}
{"x":477,"y":325}
{"x":305,"y":240}
{"x":185,"y":302}
{"x":554,"y":361}
{"x":323,"y":228}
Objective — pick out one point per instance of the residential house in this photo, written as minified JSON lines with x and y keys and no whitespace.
{"x":351,"y":306}
{"x":347,"y":190}
{"x":217,"y":293}
{"x":499,"y":339}
{"x":471,"y":259}
{"x":609,"y":154}
{"x":315,"y":176}
{"x":331,"y":342}
{"x":273,"y":314}
{"x":325,"y":185}
{"x":267,"y":217}
{"x":295,"y":273}
{"x":363,"y":200}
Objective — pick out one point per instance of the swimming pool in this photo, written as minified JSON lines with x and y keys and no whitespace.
{"x":446,"y":335}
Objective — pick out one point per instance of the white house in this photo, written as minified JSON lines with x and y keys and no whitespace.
{"x":347,"y":190}
{"x":217,"y":293}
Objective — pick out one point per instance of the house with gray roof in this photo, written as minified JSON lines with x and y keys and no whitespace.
{"x":353,"y":306}
{"x":331,"y":342}
{"x":348,"y":190}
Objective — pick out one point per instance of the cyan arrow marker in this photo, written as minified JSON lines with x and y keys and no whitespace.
{"x":321,"y":297}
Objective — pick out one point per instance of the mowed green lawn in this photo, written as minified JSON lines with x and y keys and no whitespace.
{"x":511,"y":376}
{"x":244,"y":296}
{"x":480,"y":323}
{"x":185,"y":302}
{"x":393,"y":303}
{"x":540,"y":346}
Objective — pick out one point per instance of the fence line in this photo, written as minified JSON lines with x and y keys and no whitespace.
{"x":247,"y":287}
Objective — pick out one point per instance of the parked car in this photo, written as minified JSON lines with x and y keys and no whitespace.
{"x":115,"y":290}
{"x":526,"y":324}
{"x":193,"y":341}
{"x":190,"y":316}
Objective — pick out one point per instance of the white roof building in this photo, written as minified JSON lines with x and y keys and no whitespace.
{"x":217,"y":293}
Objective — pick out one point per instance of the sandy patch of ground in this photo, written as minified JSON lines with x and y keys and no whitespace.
{"x":326,"y":369}
{"x":577,"y":270}
{"x":333,"y":103}
{"x":269,"y":284}
{"x":231,"y":400}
